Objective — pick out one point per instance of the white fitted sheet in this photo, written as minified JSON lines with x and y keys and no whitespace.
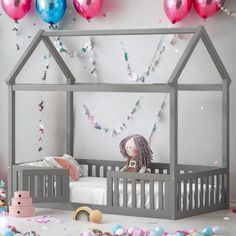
{"x":93,"y":190}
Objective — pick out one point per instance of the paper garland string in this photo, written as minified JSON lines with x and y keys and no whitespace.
{"x":119,"y":128}
{"x":88,"y":49}
{"x":227,"y":10}
{"x":158,"y":117}
{"x":16,"y":30}
{"x":154,"y":62}
{"x":156,"y":58}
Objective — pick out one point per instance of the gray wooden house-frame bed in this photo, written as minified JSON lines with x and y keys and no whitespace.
{"x":174,"y":191}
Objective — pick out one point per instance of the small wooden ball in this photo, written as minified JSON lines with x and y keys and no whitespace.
{"x":95,"y":216}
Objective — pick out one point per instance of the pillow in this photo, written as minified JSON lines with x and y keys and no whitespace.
{"x":67,"y":162}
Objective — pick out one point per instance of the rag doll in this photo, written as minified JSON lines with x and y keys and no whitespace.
{"x":137,"y":153}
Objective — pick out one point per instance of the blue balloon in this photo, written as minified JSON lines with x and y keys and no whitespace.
{"x":51,"y":11}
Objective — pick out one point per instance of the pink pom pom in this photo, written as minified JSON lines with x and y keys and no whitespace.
{"x":137,"y":232}
{"x":182,"y":231}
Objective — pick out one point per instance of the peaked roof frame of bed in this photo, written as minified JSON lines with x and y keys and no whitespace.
{"x":172,"y":87}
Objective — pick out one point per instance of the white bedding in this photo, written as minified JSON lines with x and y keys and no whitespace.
{"x":92,"y":190}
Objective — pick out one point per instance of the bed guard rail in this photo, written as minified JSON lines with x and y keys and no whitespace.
{"x":45,"y":184}
{"x":146,"y":191}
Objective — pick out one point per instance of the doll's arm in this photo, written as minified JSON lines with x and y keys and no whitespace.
{"x":143,"y":169}
{"x":125,"y":168}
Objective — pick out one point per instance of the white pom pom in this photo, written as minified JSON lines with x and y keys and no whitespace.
{"x":3,"y":222}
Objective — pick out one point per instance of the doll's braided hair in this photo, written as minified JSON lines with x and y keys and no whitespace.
{"x":145,"y":152}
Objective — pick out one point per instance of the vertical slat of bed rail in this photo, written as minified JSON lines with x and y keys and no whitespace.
{"x":223,"y":188}
{"x":116,"y":191}
{"x":65,"y":187}
{"x":151,"y":193}
{"x":15,"y":180}
{"x":40,"y":186}
{"x":50,"y":187}
{"x":160,"y":183}
{"x":142,"y":193}
{"x":133,"y":193}
{"x":179,"y":202}
{"x":217,"y":189}
{"x":105,"y":171}
{"x":201,"y":192}
{"x":90,"y":170}
{"x":226,"y":175}
{"x":167,"y":196}
{"x":32,"y":186}
{"x":190,"y":204}
{"x":109,"y":191}
{"x":212,"y":190}
{"x":185,"y":196}
{"x":97,"y":171}
{"x":124,"y":192}
{"x":25,"y":184}
{"x":207,"y":192}
{"x":58,"y":185}
{"x":196,"y":205}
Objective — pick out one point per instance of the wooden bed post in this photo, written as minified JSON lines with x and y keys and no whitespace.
{"x":173,"y":150}
{"x":69,"y":123}
{"x":226,"y":136}
{"x":11,"y":141}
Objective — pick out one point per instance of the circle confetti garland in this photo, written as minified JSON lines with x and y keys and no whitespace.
{"x":119,"y":128}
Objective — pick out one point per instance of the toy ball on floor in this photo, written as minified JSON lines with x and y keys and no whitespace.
{"x":160,"y":230}
{"x":217,"y":230}
{"x":6,"y":232}
{"x":95,"y":216}
{"x":115,"y":228}
{"x":207,"y":231}
{"x":155,"y":233}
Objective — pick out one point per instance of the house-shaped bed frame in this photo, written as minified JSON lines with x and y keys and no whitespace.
{"x":183,"y":190}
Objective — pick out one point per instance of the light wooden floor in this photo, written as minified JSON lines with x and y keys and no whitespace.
{"x":73,"y":228}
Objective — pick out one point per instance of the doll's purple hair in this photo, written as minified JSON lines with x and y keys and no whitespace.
{"x":145,"y":152}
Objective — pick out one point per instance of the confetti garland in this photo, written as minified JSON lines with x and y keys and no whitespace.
{"x":88,"y":49}
{"x":161,"y":47}
{"x":112,"y":131}
{"x":41,"y":107}
{"x":17,"y":31}
{"x":158,"y":117}
{"x":227,"y":11}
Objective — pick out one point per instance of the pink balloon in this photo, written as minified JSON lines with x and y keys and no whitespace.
{"x":206,"y":8}
{"x":177,"y":10}
{"x":16,"y":9}
{"x":88,"y":8}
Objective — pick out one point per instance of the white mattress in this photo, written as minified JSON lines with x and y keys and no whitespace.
{"x":93,"y":190}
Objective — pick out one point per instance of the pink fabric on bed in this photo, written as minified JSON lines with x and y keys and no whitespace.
{"x":66,"y":164}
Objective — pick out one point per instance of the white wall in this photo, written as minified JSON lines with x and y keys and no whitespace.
{"x":199,"y":129}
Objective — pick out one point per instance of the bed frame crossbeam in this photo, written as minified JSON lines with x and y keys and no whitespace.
{"x":121,"y":88}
